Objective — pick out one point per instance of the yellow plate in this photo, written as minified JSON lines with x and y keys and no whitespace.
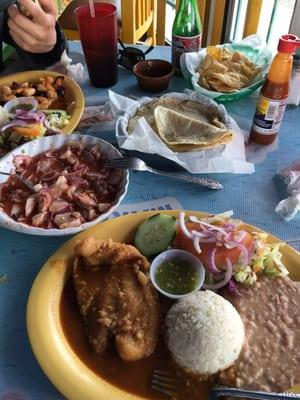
{"x":73,"y":95}
{"x":65,"y":370}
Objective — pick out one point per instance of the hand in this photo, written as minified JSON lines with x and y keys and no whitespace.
{"x":36,"y":35}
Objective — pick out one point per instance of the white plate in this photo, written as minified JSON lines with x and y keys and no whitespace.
{"x":41,"y":145}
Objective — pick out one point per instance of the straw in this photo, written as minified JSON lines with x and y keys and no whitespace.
{"x":92,"y":8}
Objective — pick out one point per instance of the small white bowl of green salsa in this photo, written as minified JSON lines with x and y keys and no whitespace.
{"x":176,"y":273}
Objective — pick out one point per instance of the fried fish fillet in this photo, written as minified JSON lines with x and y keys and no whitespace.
{"x":116,"y":297}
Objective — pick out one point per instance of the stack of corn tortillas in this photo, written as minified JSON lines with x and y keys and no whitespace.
{"x":183,"y":125}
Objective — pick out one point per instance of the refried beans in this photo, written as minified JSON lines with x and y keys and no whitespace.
{"x":270,"y":358}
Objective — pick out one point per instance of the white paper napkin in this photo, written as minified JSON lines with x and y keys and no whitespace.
{"x":290,"y":207}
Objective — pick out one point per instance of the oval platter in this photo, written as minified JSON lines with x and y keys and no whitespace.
{"x":54,"y":354}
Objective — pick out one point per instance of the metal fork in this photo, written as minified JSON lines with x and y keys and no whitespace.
{"x":137,"y":164}
{"x":250,"y":394}
{"x":25,"y":181}
{"x":166,"y":383}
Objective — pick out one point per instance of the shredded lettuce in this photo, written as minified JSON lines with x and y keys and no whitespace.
{"x":244,"y":274}
{"x":219,"y":217}
{"x":57,"y":119}
{"x":266,"y":260}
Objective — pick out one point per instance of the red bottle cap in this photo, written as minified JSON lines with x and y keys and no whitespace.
{"x":288,"y":43}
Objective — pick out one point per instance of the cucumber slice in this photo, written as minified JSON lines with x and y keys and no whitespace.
{"x":155,"y":234}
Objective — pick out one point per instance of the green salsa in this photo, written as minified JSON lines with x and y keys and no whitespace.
{"x":176,"y":276}
{"x":21,"y":106}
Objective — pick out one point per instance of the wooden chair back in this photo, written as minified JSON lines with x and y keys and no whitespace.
{"x":138,"y":18}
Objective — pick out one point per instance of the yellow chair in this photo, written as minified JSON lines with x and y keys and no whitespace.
{"x":219,"y":22}
{"x":138,"y":20}
{"x":71,"y":34}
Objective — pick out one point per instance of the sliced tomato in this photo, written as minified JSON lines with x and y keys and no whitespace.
{"x":221,"y":253}
{"x":30,"y":131}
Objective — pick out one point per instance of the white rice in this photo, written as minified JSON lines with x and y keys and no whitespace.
{"x":205,"y":333}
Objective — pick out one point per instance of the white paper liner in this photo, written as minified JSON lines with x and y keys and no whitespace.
{"x":41,"y":145}
{"x":230,"y":158}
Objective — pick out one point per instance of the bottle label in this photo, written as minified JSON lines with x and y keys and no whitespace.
{"x":181,"y":44}
{"x":268,"y":115}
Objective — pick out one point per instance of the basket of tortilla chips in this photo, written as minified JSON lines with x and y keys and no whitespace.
{"x":228,"y":72}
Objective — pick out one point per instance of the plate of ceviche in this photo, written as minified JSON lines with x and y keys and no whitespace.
{"x":99,"y":320}
{"x":35,"y":104}
{"x":58,"y":185}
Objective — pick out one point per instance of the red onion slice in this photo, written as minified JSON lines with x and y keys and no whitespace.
{"x":16,"y":122}
{"x":212,"y":227}
{"x":227,"y":277}
{"x":182,"y":225}
{"x":251,"y":250}
{"x":30,"y":116}
{"x":196,"y":244}
{"x":229,"y":227}
{"x":195,"y":219}
{"x":233,"y":288}
{"x":241,"y":236}
{"x":207,"y":240}
{"x":211,"y":261}
{"x":230,"y":244}
{"x":24,"y":118}
{"x":228,"y":237}
{"x":244,"y":251}
{"x":200,"y":234}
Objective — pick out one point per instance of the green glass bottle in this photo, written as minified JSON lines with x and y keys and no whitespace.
{"x":186,"y":31}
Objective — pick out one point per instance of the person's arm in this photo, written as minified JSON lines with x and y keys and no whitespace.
{"x":39,"y":41}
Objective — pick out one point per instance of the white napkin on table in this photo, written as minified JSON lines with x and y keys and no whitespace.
{"x":65,"y":66}
{"x":290,"y":207}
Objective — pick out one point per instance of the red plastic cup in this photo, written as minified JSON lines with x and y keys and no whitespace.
{"x":98,"y":37}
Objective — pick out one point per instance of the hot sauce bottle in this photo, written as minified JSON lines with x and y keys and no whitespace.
{"x":273,"y":96}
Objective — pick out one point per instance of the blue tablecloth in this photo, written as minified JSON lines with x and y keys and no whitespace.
{"x":252,"y":197}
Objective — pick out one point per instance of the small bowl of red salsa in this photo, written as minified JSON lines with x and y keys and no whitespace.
{"x":153,"y":75}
